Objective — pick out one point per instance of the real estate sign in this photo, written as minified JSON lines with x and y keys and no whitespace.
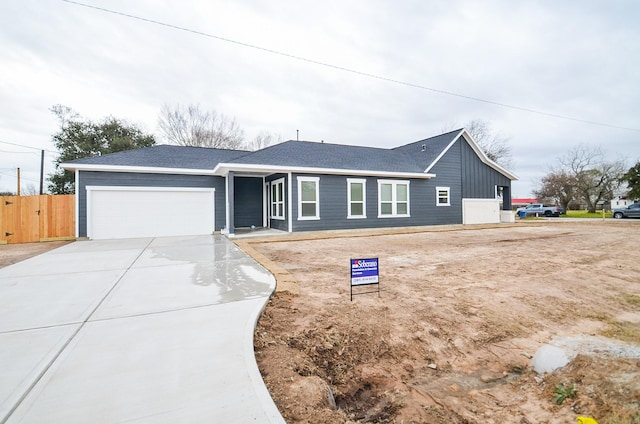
{"x":364,"y":272}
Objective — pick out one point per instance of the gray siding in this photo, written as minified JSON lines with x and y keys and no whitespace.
{"x":333,"y":205}
{"x":460,"y":169}
{"x":479,"y":180}
{"x":449,"y":174}
{"x":90,"y":178}
{"x":248,"y":203}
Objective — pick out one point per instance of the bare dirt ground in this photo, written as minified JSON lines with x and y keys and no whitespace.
{"x":13,"y":253}
{"x":450,"y":338}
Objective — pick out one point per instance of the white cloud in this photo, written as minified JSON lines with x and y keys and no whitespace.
{"x":572,"y":58}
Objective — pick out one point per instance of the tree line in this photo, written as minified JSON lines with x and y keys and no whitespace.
{"x":189,"y":125}
{"x":583,"y":176}
{"x":78,"y":137}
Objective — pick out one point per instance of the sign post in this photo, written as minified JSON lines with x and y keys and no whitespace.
{"x":364,"y":272}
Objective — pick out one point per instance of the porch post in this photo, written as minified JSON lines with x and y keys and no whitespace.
{"x":230,"y":204}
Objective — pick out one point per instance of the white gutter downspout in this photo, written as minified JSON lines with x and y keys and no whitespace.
{"x":265,"y":203}
{"x":225,"y":230}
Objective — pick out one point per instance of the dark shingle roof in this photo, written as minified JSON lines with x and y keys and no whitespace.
{"x":409,"y":158}
{"x":331,"y":156}
{"x":165,"y":156}
{"x":433,"y":147}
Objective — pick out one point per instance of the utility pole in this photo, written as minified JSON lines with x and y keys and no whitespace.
{"x":41,"y":172}
{"x":18,"y":193}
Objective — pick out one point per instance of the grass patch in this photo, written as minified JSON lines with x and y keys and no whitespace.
{"x":621,"y":330}
{"x":585,"y":214}
{"x":631,"y":299}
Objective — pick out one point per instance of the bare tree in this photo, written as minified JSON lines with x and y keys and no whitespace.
{"x":595,"y":178}
{"x":30,"y":190}
{"x":192,"y":126}
{"x":493,"y":144}
{"x":264,"y":139}
{"x":558,"y":186}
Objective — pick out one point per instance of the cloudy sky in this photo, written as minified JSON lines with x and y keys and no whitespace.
{"x":577,"y":59}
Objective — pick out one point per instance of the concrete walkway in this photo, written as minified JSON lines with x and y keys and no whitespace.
{"x":140,"y":330}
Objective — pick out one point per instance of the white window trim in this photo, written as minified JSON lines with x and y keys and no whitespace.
{"x":362,"y":181}
{"x":438,"y":190}
{"x":275,"y":183}
{"x":315,"y":180}
{"x":394,"y":198}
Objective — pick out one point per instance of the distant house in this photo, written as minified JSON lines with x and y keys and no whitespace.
{"x":293,"y":186}
{"x":518,"y":202}
{"x":621,"y":202}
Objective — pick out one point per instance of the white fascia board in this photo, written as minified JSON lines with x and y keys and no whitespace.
{"x":224,"y":168}
{"x":483,"y":157}
{"x":136,"y":169}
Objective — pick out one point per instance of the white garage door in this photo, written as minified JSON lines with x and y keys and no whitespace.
{"x":127,"y":212}
{"x":480,"y":211}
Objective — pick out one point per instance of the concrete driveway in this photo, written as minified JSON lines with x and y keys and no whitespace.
{"x":139,"y":330}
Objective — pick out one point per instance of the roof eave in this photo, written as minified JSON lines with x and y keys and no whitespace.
{"x":225,"y":168}
{"x":135,"y":169}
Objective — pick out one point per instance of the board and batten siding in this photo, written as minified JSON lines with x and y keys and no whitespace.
{"x":479,"y":179}
{"x":131,"y":179}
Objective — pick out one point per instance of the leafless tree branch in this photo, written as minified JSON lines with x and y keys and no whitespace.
{"x":192,"y":126}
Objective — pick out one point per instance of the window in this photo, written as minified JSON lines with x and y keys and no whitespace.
{"x":443,"y":196}
{"x":308,"y":195}
{"x":277,"y":199}
{"x":356,"y":198}
{"x":393,"y":198}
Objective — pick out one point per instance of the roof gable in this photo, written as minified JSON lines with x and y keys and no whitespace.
{"x":431,"y":150}
{"x":483,"y":157}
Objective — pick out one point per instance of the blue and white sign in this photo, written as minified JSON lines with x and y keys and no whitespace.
{"x":364,"y":271}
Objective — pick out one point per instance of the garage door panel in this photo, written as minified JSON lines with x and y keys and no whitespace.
{"x":125,"y":212}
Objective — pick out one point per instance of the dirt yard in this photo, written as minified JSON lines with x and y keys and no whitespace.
{"x":13,"y":253}
{"x":451,"y":336}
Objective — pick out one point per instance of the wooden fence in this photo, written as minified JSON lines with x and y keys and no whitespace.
{"x":26,"y":219}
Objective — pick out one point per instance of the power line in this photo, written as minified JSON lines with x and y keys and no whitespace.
{"x":28,"y":147}
{"x":21,"y":177}
{"x":353,"y":71}
{"x":13,"y":151}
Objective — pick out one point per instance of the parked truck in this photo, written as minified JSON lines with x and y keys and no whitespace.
{"x":538,"y":209}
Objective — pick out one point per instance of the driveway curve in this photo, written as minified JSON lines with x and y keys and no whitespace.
{"x":140,"y":330}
